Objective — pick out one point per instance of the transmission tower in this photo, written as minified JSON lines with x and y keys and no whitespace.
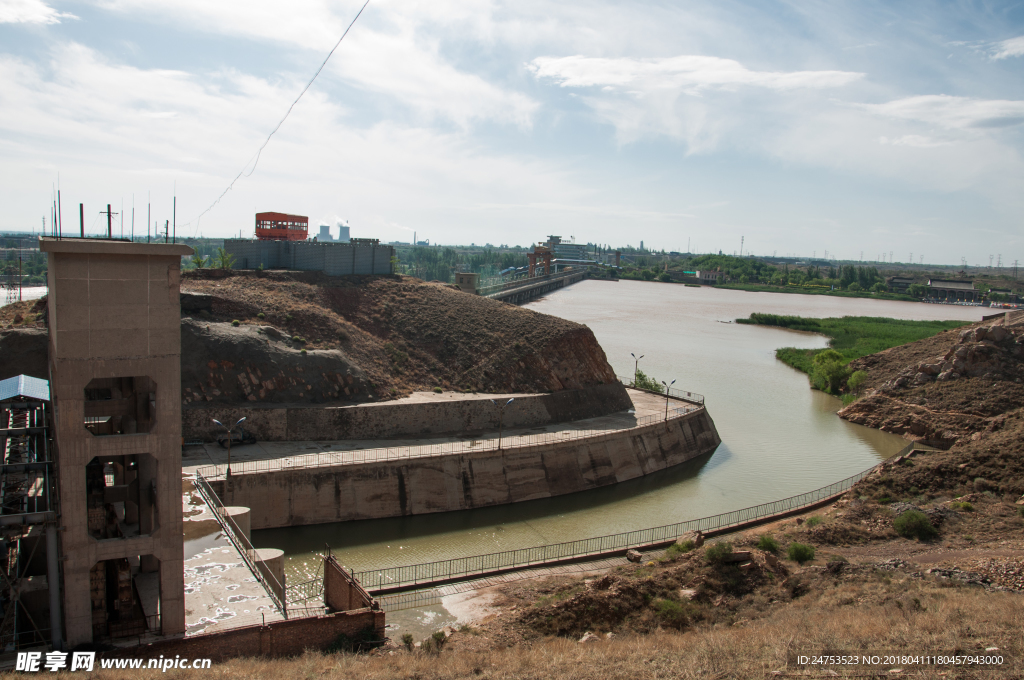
{"x":11,"y":287}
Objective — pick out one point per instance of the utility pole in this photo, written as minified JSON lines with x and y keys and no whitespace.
{"x":741,"y":245}
{"x":167,"y":226}
{"x":109,"y":232}
{"x":81,"y":219}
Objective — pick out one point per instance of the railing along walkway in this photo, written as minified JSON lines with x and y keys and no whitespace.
{"x":395,"y":579}
{"x":242,"y":545}
{"x":358,"y":456}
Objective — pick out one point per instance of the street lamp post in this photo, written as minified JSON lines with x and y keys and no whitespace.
{"x":636,"y":366}
{"x":229,"y":431}
{"x":667,"y":386}
{"x":501,"y":417}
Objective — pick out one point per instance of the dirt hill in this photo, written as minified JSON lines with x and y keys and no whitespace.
{"x":947,"y":388}
{"x":286,"y":337}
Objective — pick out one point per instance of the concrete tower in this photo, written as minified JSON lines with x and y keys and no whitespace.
{"x":115,"y":346}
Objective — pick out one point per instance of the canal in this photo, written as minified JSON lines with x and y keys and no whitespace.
{"x":779,"y":438}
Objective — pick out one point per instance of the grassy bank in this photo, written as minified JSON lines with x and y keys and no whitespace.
{"x":850,"y":337}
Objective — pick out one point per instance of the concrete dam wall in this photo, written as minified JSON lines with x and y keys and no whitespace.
{"x":301,"y":496}
{"x":397,"y":419}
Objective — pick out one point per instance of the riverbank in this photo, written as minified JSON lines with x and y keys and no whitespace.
{"x":851,"y":336}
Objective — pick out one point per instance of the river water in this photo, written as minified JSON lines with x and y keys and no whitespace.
{"x":779,"y":437}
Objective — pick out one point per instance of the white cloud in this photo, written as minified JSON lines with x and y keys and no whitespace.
{"x":689,"y":73}
{"x":919,"y":141}
{"x":389,"y":51}
{"x":1014,"y":47}
{"x":154,"y":126}
{"x":953,"y":113}
{"x":30,"y":12}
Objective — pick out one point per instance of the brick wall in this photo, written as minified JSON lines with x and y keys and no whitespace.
{"x":281,"y":638}
{"x":341,"y":591}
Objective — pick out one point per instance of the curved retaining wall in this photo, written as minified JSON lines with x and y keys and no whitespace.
{"x":469,"y":480}
{"x":396,"y":419}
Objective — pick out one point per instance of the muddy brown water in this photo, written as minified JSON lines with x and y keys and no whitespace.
{"x":779,"y":438}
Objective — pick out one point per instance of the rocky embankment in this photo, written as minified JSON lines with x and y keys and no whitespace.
{"x":948,"y":388}
{"x":304,"y":337}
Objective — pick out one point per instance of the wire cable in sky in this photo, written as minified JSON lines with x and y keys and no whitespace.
{"x":256,"y":157}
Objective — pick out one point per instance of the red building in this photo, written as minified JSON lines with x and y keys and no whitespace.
{"x":275,"y":226}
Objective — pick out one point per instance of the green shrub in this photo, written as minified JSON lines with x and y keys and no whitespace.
{"x":829,"y":372}
{"x":645,"y":382}
{"x":438,"y":390}
{"x":717,"y":553}
{"x":289,"y":317}
{"x":963,"y":506}
{"x":854,"y":382}
{"x":261,"y":315}
{"x":303,"y":351}
{"x":680,"y":548}
{"x":813,"y":521}
{"x":671,"y":612}
{"x":236,"y":322}
{"x":800,"y":552}
{"x":767,"y":543}
{"x":915,"y":524}
{"x":407,"y":640}
{"x":439,"y":639}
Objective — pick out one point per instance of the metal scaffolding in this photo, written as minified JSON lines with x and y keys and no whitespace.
{"x":28,"y":519}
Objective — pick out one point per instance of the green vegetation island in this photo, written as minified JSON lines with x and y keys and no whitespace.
{"x":850,"y":337}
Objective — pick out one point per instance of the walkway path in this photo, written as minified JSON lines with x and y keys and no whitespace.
{"x":264,"y":456}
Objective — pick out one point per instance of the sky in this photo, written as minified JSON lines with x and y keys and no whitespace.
{"x":852,"y":129}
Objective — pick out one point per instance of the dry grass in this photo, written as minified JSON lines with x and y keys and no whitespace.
{"x":946,"y":619}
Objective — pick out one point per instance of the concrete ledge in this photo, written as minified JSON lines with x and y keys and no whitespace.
{"x":467,"y":480}
{"x":397,"y":419}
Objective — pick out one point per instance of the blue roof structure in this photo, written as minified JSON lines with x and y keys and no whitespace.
{"x":24,"y":386}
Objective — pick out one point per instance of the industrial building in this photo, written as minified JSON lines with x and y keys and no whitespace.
{"x":275,"y":226}
{"x":953,"y":291}
{"x":325,"y":234}
{"x":359,"y":256}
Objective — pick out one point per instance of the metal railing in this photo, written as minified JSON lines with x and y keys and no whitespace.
{"x":477,"y":565}
{"x":359,"y":456}
{"x":306,"y":590}
{"x":269,"y":582}
{"x":692,"y":397}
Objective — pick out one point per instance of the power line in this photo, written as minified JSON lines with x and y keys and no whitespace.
{"x":256,"y":158}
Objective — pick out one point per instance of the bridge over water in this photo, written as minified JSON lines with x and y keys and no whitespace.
{"x":518,"y":292}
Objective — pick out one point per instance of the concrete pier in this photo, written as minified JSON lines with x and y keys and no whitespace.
{"x":345,"y":483}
